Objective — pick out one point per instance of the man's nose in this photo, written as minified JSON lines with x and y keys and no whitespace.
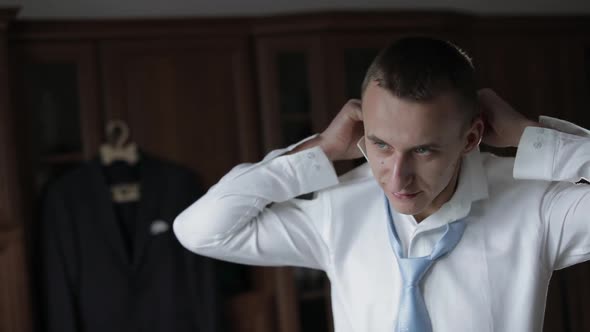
{"x":401,"y":172}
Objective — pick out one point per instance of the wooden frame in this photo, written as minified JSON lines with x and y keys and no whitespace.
{"x":95,"y":45}
{"x":14,"y":294}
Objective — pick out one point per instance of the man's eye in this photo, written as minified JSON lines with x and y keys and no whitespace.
{"x":422,"y":151}
{"x":380,"y":145}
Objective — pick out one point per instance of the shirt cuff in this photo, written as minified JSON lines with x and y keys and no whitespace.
{"x":535,"y":154}
{"x":537,"y":149}
{"x":275,"y":153}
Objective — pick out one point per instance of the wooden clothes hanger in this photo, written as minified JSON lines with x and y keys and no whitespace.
{"x":119,"y":148}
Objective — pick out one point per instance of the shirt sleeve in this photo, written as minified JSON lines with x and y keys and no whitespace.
{"x":560,"y":154}
{"x":251,"y":216}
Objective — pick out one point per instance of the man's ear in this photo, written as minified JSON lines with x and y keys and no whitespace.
{"x":474,"y":134}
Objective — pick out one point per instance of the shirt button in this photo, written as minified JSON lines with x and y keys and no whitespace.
{"x":310,"y":155}
{"x":317,"y":167}
{"x":537,"y":145}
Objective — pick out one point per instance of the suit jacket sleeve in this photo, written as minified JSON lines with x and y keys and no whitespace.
{"x":251,"y":216}
{"x":560,"y":154}
{"x":59,"y":266}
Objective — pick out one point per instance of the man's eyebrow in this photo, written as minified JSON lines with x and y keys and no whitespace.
{"x":428,"y":145}
{"x":375,"y":138}
{"x":432,"y":145}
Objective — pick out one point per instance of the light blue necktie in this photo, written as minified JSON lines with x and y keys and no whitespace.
{"x":412,"y":314}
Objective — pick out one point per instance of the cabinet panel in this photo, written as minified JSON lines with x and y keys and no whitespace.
{"x":14,"y":300}
{"x":185,"y":100}
{"x":52,"y":97}
{"x":56,"y":99}
{"x":9,"y":193}
{"x":294,"y":97}
{"x":524,"y":70}
{"x":15,"y":315}
{"x":291,"y":88}
{"x":57,"y":110}
{"x":7,"y":144}
{"x":188,"y":101}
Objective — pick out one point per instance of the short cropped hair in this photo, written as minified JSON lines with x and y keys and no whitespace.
{"x":422,"y":68}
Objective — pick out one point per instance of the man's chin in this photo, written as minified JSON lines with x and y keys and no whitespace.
{"x":406,"y":207}
{"x":409,"y":212}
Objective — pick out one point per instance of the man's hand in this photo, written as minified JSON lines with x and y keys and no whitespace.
{"x":339,"y":140}
{"x":504,"y":125}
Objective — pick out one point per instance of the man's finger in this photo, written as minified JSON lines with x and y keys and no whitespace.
{"x":358,"y":115}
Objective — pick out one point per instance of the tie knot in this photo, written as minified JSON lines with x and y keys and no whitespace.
{"x":413,"y":269}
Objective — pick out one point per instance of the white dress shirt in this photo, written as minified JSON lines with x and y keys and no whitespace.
{"x":525,"y":218}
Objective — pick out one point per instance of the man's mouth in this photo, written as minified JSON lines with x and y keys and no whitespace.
{"x":405,"y":195}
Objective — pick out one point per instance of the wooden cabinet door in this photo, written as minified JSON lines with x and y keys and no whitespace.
{"x":15,"y":312}
{"x":190,"y":101}
{"x":56,"y":108}
{"x":15,"y":315}
{"x":187,"y":100}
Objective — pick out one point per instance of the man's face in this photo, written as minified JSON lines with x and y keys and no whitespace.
{"x":415,"y":148}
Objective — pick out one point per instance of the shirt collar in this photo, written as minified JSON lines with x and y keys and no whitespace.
{"x":473,"y":182}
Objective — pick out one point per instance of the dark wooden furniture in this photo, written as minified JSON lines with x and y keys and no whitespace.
{"x":211,"y":93}
{"x":14,"y":276}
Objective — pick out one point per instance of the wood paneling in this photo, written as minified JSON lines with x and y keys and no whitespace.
{"x":14,"y":296}
{"x":189,"y":90}
{"x":187,"y":100}
{"x":9,"y":191}
{"x":81,"y":56}
{"x":267,"y":50}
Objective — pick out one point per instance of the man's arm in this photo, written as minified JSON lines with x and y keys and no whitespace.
{"x":549,"y":150}
{"x":251,"y":215}
{"x":560,"y":155}
{"x":234,"y":221}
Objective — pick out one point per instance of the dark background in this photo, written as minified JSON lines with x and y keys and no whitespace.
{"x":209,"y":93}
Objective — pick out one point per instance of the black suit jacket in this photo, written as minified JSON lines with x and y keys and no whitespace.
{"x":96,"y":281}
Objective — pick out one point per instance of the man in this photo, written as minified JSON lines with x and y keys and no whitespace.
{"x":430,"y":234}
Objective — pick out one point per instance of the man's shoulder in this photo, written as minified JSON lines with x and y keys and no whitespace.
{"x":497,"y":167}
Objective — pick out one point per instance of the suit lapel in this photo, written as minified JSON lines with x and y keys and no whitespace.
{"x":148,"y":209}
{"x":103,"y":213}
